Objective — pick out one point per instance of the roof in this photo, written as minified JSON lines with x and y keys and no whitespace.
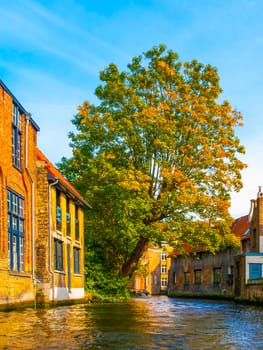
{"x":186,"y":248}
{"x":241,"y":227}
{"x":56,"y":174}
{"x":22,"y":109}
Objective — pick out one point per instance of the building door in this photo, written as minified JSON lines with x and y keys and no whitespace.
{"x":69,"y":267}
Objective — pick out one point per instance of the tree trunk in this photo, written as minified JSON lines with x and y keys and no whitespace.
{"x":128,"y":267}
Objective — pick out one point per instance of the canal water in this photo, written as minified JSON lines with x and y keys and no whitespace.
{"x":146,"y":323}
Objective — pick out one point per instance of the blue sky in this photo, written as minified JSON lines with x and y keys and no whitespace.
{"x":51,"y":52}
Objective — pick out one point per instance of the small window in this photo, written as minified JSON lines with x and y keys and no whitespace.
{"x":255,"y":270}
{"x":76,"y":222}
{"x":76,"y":260}
{"x":16,"y":136}
{"x":197,"y":276}
{"x":174,"y":277}
{"x":164,"y":256}
{"x":15,"y":204}
{"x":163,"y":269}
{"x":186,"y":278}
{"x":58,"y":211}
{"x":217,"y":275}
{"x":163,"y":282}
{"x":58,"y":254}
{"x":68,"y":218}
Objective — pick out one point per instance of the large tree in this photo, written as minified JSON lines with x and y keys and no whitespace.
{"x":156,"y":158}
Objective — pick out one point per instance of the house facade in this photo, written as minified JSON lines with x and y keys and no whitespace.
{"x":60,"y":241}
{"x":200,"y":272}
{"x":249,"y":263}
{"x":41,"y":217}
{"x":235,"y":273}
{"x":152,"y":274}
{"x":18,"y":226}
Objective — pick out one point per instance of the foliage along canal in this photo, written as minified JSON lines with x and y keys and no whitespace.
{"x":141,"y":323}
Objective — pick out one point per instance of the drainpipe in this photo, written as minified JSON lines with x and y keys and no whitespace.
{"x":50,"y":236}
{"x":35,"y":281}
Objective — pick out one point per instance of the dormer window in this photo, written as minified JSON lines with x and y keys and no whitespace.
{"x":16,"y":136}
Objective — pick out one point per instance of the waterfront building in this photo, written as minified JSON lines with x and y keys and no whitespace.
{"x":60,"y":241}
{"x":152,"y":273}
{"x":234,"y":273}
{"x":18,"y":226}
{"x":249,"y":263}
{"x":41,"y":216}
{"x":199,"y":272}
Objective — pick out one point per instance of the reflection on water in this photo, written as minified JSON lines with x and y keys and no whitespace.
{"x":150,"y":323}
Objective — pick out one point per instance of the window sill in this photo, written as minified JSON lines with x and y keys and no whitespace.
{"x":19,"y":274}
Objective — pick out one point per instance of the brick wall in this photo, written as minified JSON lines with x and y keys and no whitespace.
{"x":16,"y":286}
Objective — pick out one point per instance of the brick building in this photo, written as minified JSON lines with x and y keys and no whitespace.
{"x":249,"y":263}
{"x":203,"y":273}
{"x":18,"y":135}
{"x":41,"y":216}
{"x":60,"y":239}
{"x":237,"y":273}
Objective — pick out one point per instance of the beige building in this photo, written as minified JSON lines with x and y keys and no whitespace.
{"x":152,"y":274}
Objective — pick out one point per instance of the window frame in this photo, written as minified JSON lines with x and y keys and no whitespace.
{"x":16,"y":231}
{"x":186,"y":279}
{"x":257,"y":270}
{"x":58,"y":255}
{"x":197,"y":276}
{"x":68,"y":217}
{"x":58,"y":210}
{"x":217,"y":275}
{"x":164,"y":256}
{"x":76,"y":257}
{"x":164,"y":282}
{"x":16,"y":136}
{"x":77,"y":233}
{"x":163,"y":269}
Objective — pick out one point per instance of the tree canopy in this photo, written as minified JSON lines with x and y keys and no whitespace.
{"x":156,"y":158}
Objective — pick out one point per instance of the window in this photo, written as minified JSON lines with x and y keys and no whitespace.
{"x":197,"y":276}
{"x":16,"y":136}
{"x":230,"y":271}
{"x":15,"y":231}
{"x":255,"y":270}
{"x":163,"y":269}
{"x":186,"y":278}
{"x":58,"y":211}
{"x":76,"y":260}
{"x":164,"y":256}
{"x":163,"y":282}
{"x":174,"y":277}
{"x":58,"y":254}
{"x":217,"y":275}
{"x":68,"y":220}
{"x":76,"y":222}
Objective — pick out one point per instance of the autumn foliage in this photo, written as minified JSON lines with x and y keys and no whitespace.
{"x":156,"y":158}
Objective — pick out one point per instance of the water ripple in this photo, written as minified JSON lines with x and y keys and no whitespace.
{"x":152,"y":323}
